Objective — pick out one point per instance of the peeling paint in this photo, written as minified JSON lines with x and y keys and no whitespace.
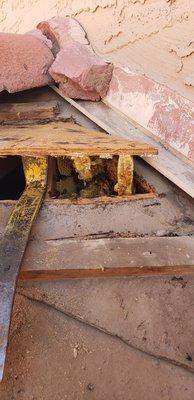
{"x":156,"y":108}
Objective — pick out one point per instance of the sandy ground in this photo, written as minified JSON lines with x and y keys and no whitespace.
{"x":54,"y":355}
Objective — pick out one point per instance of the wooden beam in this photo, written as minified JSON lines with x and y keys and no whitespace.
{"x":22,"y":112}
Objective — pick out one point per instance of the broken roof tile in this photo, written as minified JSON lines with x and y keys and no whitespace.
{"x":76,"y":65}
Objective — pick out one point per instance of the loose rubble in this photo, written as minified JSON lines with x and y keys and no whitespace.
{"x":18,"y":69}
{"x":80,"y":72}
{"x":62,"y":53}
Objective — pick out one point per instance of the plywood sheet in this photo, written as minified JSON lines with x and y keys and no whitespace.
{"x":64,"y":138}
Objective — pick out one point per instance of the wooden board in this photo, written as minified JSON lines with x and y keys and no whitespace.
{"x":103,"y":199}
{"x":64,"y":139}
{"x":14,"y":112}
{"x":167,"y":163}
{"x":78,"y":258}
{"x":58,"y":275}
{"x":14,"y":242}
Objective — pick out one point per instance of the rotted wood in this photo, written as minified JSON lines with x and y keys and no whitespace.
{"x":51,"y":178}
{"x":14,"y":241}
{"x":23,"y":112}
{"x":102,"y":199}
{"x":124,"y":185}
{"x":66,"y":139}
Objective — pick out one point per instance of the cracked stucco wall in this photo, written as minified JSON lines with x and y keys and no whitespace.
{"x":155,"y":37}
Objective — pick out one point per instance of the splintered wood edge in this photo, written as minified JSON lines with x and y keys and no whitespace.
{"x":66,"y":139}
{"x":103,"y":199}
{"x":58,"y":152}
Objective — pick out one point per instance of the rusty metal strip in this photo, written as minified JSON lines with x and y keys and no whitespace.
{"x":14,"y":241}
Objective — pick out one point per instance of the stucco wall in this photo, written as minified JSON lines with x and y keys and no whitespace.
{"x":155,"y":37}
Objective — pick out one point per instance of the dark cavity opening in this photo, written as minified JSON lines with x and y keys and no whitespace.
{"x":12,"y":178}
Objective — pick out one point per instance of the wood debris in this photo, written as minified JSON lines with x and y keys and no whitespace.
{"x":25,"y":112}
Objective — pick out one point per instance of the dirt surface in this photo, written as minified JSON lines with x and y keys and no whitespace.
{"x":54,"y":357}
{"x":153,"y":315}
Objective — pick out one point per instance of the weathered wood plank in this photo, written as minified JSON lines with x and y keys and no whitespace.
{"x":109,"y":253}
{"x":64,"y":138}
{"x":22,"y":112}
{"x":162,"y":217}
{"x":102,"y":258}
{"x":14,"y":242}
